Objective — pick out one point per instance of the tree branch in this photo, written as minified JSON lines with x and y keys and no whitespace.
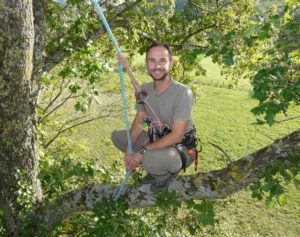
{"x":70,"y":96}
{"x":215,"y":184}
{"x":277,"y":122}
{"x":197,"y":32}
{"x":61,"y":53}
{"x":75,"y":122}
{"x":62,"y":129}
{"x":58,"y":94}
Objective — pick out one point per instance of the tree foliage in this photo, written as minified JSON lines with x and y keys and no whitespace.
{"x":65,"y":55}
{"x":228,"y":31}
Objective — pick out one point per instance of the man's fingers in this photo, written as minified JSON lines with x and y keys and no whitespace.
{"x":132,"y":165}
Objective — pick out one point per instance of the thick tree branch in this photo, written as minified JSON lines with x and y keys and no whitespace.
{"x":214,"y":184}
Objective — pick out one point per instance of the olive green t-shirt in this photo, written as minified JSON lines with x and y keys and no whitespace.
{"x":174,"y":103}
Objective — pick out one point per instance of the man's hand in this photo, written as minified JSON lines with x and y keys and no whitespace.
{"x":134,"y":161}
{"x":126,"y":158}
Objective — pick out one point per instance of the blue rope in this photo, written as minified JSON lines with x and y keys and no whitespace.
{"x":121,"y":76}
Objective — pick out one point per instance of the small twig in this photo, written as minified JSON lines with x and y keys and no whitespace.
{"x":61,"y":130}
{"x":288,"y":119}
{"x":265,"y":135}
{"x":222,"y":150}
{"x":55,"y":108}
{"x":276,"y":122}
{"x":61,"y":88}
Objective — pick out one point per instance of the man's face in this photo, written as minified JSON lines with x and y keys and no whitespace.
{"x":158,"y":63}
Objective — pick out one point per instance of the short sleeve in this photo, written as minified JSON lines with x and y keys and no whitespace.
{"x":183,"y":105}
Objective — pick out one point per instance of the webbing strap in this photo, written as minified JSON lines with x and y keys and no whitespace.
{"x":121,"y":76}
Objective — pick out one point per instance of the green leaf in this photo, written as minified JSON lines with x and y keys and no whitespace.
{"x":264,"y":32}
{"x":249,"y":32}
{"x":270,"y":117}
{"x":282,"y":200}
{"x":90,"y":171}
{"x":228,"y":58}
{"x":297,"y":87}
{"x":276,"y":20}
{"x":74,"y":88}
{"x":267,"y":187}
{"x":78,"y":106}
{"x":65,"y":72}
{"x":260,"y":109}
{"x":269,"y":203}
{"x":287,"y":95}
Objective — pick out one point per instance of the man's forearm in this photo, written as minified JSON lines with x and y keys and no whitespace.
{"x":135,"y":133}
{"x":136,"y":127}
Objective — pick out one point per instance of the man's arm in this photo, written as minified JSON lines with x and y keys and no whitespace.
{"x":136,"y":127}
{"x":174,"y":137}
{"x":123,"y":62}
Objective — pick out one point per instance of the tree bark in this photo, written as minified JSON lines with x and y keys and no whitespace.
{"x":18,"y":141}
{"x":215,"y":184}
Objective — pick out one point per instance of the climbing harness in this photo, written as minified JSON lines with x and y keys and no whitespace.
{"x":156,"y":129}
{"x":189,"y":144}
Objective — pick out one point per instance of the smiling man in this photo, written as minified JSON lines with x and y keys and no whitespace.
{"x":163,"y":150}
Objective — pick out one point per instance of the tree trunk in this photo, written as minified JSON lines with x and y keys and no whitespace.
{"x":18,"y":141}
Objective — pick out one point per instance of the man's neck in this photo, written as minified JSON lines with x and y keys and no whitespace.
{"x":160,"y":86}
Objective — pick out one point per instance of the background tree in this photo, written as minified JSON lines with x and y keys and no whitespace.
{"x":42,"y":37}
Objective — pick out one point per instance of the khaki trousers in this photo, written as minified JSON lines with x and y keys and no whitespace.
{"x":160,"y":163}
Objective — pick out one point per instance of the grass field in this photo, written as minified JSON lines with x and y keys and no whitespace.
{"x":222,"y":117}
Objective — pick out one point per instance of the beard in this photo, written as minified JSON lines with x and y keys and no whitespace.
{"x":163,"y":77}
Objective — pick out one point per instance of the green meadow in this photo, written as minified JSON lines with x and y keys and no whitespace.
{"x":223,"y":119}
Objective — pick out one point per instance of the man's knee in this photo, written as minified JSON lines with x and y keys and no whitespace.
{"x":159,"y":164}
{"x":117,"y":138}
{"x":175,"y":167}
{"x":114,"y":137}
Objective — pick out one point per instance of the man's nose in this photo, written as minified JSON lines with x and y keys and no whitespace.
{"x":157,"y":65}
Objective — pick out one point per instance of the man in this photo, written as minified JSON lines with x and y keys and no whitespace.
{"x":168,"y":104}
